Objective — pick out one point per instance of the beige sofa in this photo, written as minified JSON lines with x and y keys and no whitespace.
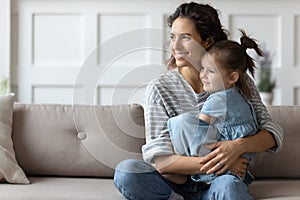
{"x":69,"y":152}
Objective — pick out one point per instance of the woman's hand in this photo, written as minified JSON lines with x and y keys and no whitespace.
{"x":224,"y":155}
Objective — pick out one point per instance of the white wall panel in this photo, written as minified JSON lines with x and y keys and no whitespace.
{"x":110,"y":94}
{"x":52,"y":94}
{"x":266,"y":29}
{"x":52,"y":41}
{"x":5,"y":38}
{"x":126,"y":85}
{"x":115,"y":24}
{"x":297,"y":42}
{"x":58,"y":40}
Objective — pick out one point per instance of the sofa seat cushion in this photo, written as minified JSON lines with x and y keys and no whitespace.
{"x":57,"y":188}
{"x":286,"y":189}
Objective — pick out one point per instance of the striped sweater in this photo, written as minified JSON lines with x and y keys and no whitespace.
{"x":171,"y":95}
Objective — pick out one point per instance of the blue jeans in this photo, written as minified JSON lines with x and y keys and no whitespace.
{"x":136,"y":179}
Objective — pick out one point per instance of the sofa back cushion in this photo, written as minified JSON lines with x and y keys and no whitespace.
{"x":66,"y":140}
{"x":284,"y":164}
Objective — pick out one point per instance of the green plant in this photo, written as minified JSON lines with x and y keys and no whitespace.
{"x":265,"y":83}
{"x":3,"y":85}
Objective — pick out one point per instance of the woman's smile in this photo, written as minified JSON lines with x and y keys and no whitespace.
{"x":180,"y":55}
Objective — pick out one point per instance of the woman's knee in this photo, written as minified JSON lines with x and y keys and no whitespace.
{"x":136,"y":179}
{"x":131,"y":171}
{"x":134,"y":166}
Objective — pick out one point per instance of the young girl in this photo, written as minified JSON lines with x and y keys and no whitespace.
{"x":227,"y":114}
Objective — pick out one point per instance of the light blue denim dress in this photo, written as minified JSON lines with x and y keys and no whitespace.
{"x":235,"y":119}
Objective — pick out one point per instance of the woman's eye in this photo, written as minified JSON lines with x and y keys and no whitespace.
{"x":185,"y":37}
{"x":172,"y":37}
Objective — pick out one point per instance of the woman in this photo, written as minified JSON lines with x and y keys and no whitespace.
{"x":178,"y":91}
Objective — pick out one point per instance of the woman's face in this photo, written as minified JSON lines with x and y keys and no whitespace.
{"x":186,"y":44}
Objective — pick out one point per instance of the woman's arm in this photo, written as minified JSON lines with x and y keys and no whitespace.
{"x":264,"y":121}
{"x":176,"y":164}
{"x":260,"y":142}
{"x":227,"y":152}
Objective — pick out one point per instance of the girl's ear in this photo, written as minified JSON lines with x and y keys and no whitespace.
{"x":234,"y":77}
{"x":209,"y":42}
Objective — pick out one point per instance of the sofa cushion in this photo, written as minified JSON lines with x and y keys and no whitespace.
{"x":66,"y":140}
{"x":284,"y":164}
{"x":9,"y":168}
{"x":58,"y":188}
{"x":286,"y":189}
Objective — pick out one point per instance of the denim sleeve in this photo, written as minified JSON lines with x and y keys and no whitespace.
{"x":215,"y":105}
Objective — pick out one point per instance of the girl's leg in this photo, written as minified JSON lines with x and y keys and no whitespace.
{"x":184,"y":134}
{"x":227,"y":187}
{"x":136,"y":179}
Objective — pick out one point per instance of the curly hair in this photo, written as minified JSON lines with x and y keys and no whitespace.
{"x":206,"y":20}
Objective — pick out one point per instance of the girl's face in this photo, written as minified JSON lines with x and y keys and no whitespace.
{"x":213,"y":76}
{"x":186,"y":44}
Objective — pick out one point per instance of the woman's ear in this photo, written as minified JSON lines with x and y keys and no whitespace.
{"x":234,"y":77}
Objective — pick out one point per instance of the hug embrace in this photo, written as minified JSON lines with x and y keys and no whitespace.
{"x":204,"y":117}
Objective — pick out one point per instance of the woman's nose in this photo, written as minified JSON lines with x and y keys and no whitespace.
{"x":176,"y":44}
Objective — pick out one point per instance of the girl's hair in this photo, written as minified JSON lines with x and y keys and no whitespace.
{"x":233,"y":57}
{"x":206,"y":20}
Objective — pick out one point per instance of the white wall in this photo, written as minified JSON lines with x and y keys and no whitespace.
{"x":51,"y":41}
{"x":4,"y":38}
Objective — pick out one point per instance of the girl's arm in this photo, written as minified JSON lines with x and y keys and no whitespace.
{"x":207,"y":118}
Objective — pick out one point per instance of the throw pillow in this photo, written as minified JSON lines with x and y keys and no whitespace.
{"x":9,"y":168}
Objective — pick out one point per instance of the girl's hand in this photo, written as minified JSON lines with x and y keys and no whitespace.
{"x":223,"y":156}
{"x":240,"y":167}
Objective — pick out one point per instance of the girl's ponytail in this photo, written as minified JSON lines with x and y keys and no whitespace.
{"x":250,"y":43}
{"x":233,"y":56}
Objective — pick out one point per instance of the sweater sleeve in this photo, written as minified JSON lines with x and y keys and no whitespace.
{"x":158,"y":142}
{"x":263,"y":117}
